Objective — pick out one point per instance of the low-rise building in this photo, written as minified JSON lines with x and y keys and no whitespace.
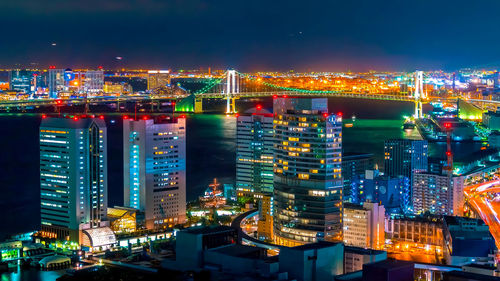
{"x":124,"y":219}
{"x":316,"y":261}
{"x":467,"y":240}
{"x":364,"y":225}
{"x":422,"y":234}
{"x":355,"y":258}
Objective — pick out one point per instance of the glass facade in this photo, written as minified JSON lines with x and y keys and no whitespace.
{"x":254,"y":154}
{"x":307,"y":172}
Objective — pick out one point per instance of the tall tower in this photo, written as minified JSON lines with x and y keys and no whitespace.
{"x":154,"y":154}
{"x":232,"y":87}
{"x":307,"y":172}
{"x":254,"y":153}
{"x":419,"y":93}
{"x":73,"y":175}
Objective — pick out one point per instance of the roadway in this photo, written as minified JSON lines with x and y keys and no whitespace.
{"x":482,"y":199}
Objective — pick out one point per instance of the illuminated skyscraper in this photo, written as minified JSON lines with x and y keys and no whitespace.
{"x":155,"y":169}
{"x":307,"y":171}
{"x":158,"y":78}
{"x":254,"y":154}
{"x":73,"y":175}
{"x":21,"y":80}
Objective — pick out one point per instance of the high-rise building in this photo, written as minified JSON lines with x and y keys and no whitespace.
{"x":403,"y":157}
{"x":73,"y":175}
{"x":307,"y":171}
{"x":354,"y":166}
{"x":21,"y":80}
{"x":254,"y":154}
{"x":364,"y":225}
{"x":55,"y":81}
{"x":155,"y":169}
{"x":438,"y":194}
{"x":158,"y":78}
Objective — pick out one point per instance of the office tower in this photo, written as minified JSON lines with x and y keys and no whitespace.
{"x":254,"y":154}
{"x":158,"y":78}
{"x":93,"y":83}
{"x":73,"y":175}
{"x":402,"y":157}
{"x":21,"y":80}
{"x":307,"y":171}
{"x":55,"y":81}
{"x":364,"y":225}
{"x":354,"y":165}
{"x":438,"y":194}
{"x":155,"y":169}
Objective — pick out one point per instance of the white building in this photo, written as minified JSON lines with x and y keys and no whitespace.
{"x":364,"y":225}
{"x":438,"y":194}
{"x":254,"y":154}
{"x":73,"y":175}
{"x":154,"y":157}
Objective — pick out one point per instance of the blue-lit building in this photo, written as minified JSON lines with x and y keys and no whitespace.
{"x":391,"y":192}
{"x":254,"y":154}
{"x":73,"y":175}
{"x":21,"y":80}
{"x":154,"y":168}
{"x":354,"y":166}
{"x":467,"y":241}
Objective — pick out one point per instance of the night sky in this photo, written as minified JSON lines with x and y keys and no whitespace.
{"x":252,"y":35}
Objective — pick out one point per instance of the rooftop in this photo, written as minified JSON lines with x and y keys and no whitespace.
{"x":317,"y":245}
{"x":208,"y":229}
{"x":71,"y":123}
{"x":362,"y":251}
{"x":236,"y":250}
{"x":391,"y":264}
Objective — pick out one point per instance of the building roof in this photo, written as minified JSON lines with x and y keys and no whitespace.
{"x":317,"y":245}
{"x":362,"y":251}
{"x":208,"y":229}
{"x":236,"y":250}
{"x":70,"y":123}
{"x":391,"y":264}
{"x":470,"y":276}
{"x":356,"y":155}
{"x":100,"y":236}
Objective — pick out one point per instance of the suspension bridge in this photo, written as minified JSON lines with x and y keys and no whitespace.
{"x":233,"y":85}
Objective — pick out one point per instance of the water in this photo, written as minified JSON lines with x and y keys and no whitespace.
{"x":32,"y":275}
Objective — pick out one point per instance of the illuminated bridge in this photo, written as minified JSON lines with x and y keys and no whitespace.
{"x":233,"y":85}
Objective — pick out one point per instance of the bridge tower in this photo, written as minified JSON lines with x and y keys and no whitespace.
{"x":419,"y":93}
{"x":232,"y":88}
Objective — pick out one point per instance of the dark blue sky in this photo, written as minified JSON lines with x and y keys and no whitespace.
{"x":252,"y":35}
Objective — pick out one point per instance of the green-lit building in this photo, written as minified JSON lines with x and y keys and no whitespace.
{"x":254,"y":154}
